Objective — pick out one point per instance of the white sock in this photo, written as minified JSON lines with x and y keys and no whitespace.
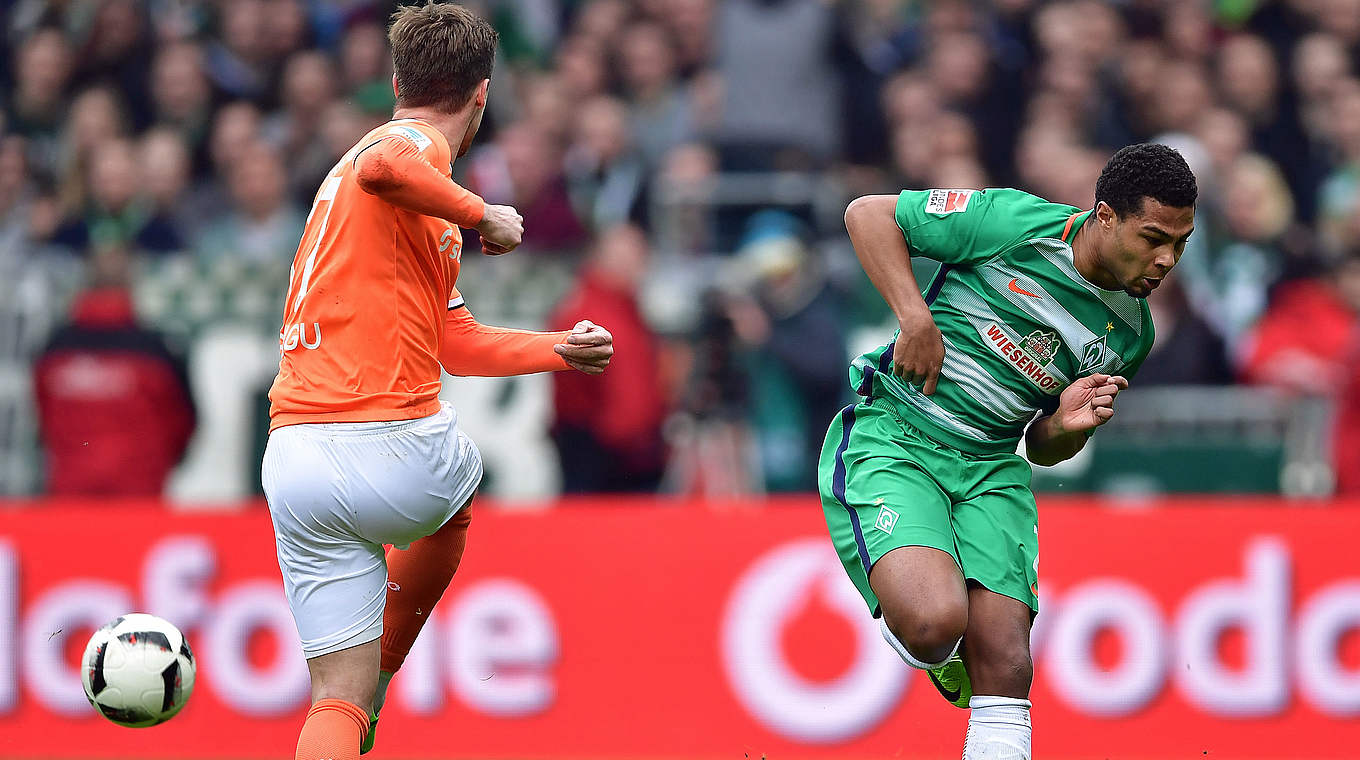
{"x":998,"y":729}
{"x":380,"y":696}
{"x":906,"y":656}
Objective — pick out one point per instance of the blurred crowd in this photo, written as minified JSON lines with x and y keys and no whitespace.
{"x":675,"y":161}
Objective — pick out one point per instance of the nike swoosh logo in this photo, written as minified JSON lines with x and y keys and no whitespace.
{"x":952,"y":696}
{"x":1017,"y":289}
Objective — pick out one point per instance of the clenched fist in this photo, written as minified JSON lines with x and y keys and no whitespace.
{"x":1088,"y":403}
{"x":501,"y":228}
{"x":589,"y":348}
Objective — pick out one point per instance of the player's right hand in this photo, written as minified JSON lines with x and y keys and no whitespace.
{"x":1088,"y":402}
{"x":588,"y":348}
{"x":919,"y":351}
{"x":501,"y":228}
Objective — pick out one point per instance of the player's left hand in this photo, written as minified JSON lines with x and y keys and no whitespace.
{"x":589,"y":348}
{"x":1088,"y":402}
{"x":501,"y":229}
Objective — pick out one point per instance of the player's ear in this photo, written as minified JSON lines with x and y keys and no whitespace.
{"x":480,"y":95}
{"x":395,"y":91}
{"x":1105,"y":215}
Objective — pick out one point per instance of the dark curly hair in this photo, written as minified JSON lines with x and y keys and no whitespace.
{"x":1146,"y":170}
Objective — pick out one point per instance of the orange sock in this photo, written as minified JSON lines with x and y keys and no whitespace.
{"x":333,"y":731}
{"x":416,"y":578}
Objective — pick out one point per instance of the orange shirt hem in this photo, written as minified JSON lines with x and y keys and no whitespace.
{"x":283,"y":419}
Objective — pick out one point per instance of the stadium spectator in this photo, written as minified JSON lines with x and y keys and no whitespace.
{"x":691,"y":25}
{"x":180,"y":91}
{"x":766,"y":80}
{"x":1187,"y":351}
{"x":36,"y":102}
{"x":114,"y":410}
{"x":524,"y":169}
{"x":1231,"y":279}
{"x":261,"y":225}
{"x":1346,"y":427}
{"x":286,"y":29}
{"x":308,"y":88}
{"x":606,"y":176}
{"x":115,"y":52}
{"x":1320,"y":63}
{"x":660,"y":110}
{"x":365,"y":67}
{"x":237,"y":62}
{"x":791,"y":336}
{"x":164,"y":166}
{"x":118,"y":211}
{"x":96,"y":115}
{"x":608,"y":428}
{"x":16,"y":194}
{"x":580,"y":64}
{"x":1341,"y":189}
{"x":1306,"y":341}
{"x":547,"y":108}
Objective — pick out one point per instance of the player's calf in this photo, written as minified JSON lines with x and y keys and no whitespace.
{"x":342,"y":688}
{"x":1000,"y":673}
{"x":996,"y":650}
{"x":996,"y":646}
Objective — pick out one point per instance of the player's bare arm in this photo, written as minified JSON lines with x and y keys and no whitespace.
{"x":1083,"y":406}
{"x":882,"y":251}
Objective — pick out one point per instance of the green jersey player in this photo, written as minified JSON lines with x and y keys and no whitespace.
{"x":1030,"y":328}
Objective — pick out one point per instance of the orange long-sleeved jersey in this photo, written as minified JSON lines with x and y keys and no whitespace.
{"x":373,"y":309}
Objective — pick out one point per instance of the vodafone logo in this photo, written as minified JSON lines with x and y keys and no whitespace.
{"x":495,"y":625}
{"x":778,"y":587}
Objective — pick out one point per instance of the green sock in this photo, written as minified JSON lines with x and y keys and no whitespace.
{"x":380,"y":696}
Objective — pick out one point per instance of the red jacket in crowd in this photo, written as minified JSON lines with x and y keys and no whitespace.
{"x":114,"y":410}
{"x":1309,"y":342}
{"x":622,"y":410}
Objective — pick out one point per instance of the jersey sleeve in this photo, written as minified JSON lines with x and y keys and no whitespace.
{"x":428,"y":145}
{"x":472,"y":349}
{"x":409,"y":168}
{"x":967,"y":227}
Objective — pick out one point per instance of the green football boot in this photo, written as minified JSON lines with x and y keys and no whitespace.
{"x":951,"y":680}
{"x":367,"y":745}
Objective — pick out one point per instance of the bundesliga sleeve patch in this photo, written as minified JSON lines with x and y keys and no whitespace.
{"x":414,"y":135}
{"x":948,"y":201}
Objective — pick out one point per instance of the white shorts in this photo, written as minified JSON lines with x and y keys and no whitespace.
{"x":337,"y":492}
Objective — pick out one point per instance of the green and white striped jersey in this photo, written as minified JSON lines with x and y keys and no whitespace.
{"x":1019,"y":322}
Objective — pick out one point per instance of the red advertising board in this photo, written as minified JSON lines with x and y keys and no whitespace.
{"x":653,"y":629}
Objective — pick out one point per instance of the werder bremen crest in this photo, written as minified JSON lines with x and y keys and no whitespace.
{"x":1093,"y":354}
{"x":1041,"y":346}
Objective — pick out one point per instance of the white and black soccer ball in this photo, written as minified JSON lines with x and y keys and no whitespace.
{"x":138,"y":670}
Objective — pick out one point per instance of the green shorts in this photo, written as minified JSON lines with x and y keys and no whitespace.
{"x":885,"y":485}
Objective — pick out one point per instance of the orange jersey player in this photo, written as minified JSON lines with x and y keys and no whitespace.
{"x":361,"y":451}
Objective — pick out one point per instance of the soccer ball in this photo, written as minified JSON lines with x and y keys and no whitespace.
{"x":138,"y":670}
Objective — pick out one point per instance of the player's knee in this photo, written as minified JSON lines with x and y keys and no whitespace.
{"x":929,"y":632}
